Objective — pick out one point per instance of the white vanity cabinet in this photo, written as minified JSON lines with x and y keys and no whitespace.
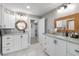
{"x":7,"y":44}
{"x":73,"y":49}
{"x":60,"y":48}
{"x":50,"y":46}
{"x":55,"y":46}
{"x":17,"y":41}
{"x":24,"y":41}
{"x":8,"y":20}
{"x":11,"y":43}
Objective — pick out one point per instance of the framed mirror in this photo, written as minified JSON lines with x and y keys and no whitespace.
{"x":21,"y":25}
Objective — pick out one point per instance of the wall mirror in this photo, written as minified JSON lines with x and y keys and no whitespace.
{"x":21,"y":25}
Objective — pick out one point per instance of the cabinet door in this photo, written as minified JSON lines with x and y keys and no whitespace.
{"x":17,"y":42}
{"x":41,"y":27}
{"x":0,"y":16}
{"x":60,"y":47}
{"x":50,"y":46}
{"x":8,"y":21}
{"x":24,"y":40}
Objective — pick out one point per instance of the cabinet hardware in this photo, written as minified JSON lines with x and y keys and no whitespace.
{"x":0,"y":26}
{"x":77,"y":51}
{"x":8,"y":37}
{"x":4,"y":25}
{"x":7,"y":43}
{"x":55,"y":41}
{"x":8,"y":49}
{"x":21,"y":36}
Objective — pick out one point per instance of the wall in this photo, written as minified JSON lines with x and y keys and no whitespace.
{"x":52,"y":15}
{"x":68,"y":18}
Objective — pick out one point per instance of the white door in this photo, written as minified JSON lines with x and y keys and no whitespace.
{"x":8,"y":21}
{"x":17,"y":42}
{"x":60,"y":48}
{"x":0,"y":16}
{"x":24,"y":40}
{"x":50,"y":46}
{"x":41,"y":27}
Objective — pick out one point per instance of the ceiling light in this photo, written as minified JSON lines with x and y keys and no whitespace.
{"x":28,"y":7}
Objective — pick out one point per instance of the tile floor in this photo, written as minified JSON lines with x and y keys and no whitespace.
{"x":33,"y":50}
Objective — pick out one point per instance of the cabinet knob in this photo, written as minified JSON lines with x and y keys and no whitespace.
{"x":21,"y":36}
{"x":7,"y":43}
{"x":0,"y":25}
{"x":8,"y":37}
{"x":4,"y":25}
{"x":7,"y":49}
{"x":55,"y":41}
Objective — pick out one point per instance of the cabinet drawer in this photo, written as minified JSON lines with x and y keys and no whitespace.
{"x":7,"y":50}
{"x":7,"y":38}
{"x":9,"y":43}
{"x":73,"y":48}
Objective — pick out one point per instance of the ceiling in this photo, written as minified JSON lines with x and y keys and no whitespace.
{"x":37,"y":9}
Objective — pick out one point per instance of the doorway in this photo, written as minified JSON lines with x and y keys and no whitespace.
{"x":34,"y":36}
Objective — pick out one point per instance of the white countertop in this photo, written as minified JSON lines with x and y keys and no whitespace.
{"x":14,"y":34}
{"x":73,"y":40}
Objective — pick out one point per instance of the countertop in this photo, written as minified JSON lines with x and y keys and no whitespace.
{"x":73,"y":40}
{"x":14,"y":34}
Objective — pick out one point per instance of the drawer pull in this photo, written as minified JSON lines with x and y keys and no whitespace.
{"x":8,"y":38}
{"x":77,"y":51}
{"x":7,"y":43}
{"x":21,"y":36}
{"x":8,"y":49}
{"x":0,"y":26}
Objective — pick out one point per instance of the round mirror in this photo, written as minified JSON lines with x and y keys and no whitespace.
{"x":21,"y":25}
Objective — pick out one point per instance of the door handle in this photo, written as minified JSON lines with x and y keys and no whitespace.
{"x":4,"y":25}
{"x":21,"y":36}
{"x":8,"y":37}
{"x":55,"y":41}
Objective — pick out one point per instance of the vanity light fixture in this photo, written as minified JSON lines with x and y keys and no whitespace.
{"x":63,"y":7}
{"x":66,"y":5}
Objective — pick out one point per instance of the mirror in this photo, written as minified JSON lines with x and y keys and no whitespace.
{"x":21,"y":25}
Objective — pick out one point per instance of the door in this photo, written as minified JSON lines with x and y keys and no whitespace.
{"x":24,"y":40}
{"x":0,"y":16}
{"x":17,"y":42}
{"x":34,"y":32}
{"x":51,"y":46}
{"x":41,"y":28}
{"x":60,"y":48}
